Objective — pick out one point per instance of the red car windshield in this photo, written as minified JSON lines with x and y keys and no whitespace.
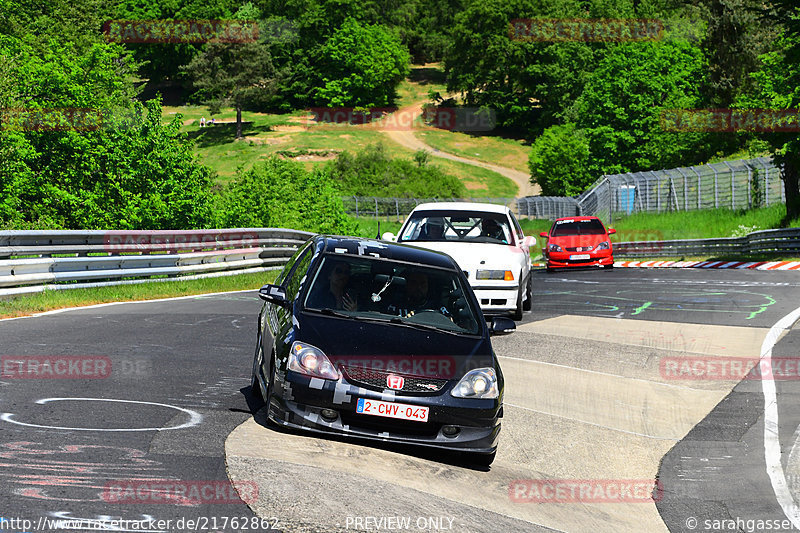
{"x":578,"y":227}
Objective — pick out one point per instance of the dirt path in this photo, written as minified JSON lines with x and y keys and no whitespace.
{"x":406,"y":138}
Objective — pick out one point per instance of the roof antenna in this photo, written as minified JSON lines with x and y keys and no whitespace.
{"x":378,"y":236}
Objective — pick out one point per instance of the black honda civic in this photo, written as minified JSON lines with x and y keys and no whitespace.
{"x":380,"y":341}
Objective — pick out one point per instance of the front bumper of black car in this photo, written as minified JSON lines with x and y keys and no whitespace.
{"x":298,"y":402}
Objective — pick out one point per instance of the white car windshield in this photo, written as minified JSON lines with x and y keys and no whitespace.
{"x":458,"y":226}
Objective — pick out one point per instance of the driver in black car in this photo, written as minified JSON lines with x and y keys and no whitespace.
{"x":418,"y":297}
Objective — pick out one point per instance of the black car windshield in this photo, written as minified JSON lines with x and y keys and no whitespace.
{"x":414,"y":295}
{"x":457,"y":226}
{"x":578,"y":227}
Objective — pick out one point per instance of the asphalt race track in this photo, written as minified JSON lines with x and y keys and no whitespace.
{"x":597,"y":395}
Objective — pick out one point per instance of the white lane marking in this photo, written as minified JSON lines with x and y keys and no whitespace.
{"x":672,"y":439}
{"x":194,"y":417}
{"x":772,"y":445}
{"x":95,"y":306}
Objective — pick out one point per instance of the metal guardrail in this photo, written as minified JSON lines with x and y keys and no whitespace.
{"x":32,"y":261}
{"x":765,"y":242}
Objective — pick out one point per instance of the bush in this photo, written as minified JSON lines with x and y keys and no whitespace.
{"x":559,"y":161}
{"x":372,"y":172}
{"x":282,"y":194}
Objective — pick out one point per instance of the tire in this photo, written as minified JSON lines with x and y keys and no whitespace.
{"x":528,"y":304}
{"x":517,"y":315}
{"x":255,"y":385}
{"x":608,"y":267}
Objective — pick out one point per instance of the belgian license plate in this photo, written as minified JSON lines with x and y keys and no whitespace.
{"x":579,"y":256}
{"x":403,"y":411}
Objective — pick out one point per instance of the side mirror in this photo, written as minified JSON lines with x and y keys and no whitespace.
{"x":529,"y":241}
{"x":611,"y":231}
{"x":389,"y":236}
{"x":502,"y":326}
{"x":543,"y":234}
{"x":274,"y":294}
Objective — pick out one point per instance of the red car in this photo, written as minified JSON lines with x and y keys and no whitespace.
{"x":578,"y":242}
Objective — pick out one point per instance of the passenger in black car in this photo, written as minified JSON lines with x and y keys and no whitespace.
{"x":338,"y":295}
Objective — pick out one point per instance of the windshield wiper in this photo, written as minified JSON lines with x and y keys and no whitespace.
{"x":331,"y":312}
{"x":426,"y":327}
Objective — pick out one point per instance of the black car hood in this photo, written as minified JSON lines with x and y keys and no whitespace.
{"x":394,"y":347}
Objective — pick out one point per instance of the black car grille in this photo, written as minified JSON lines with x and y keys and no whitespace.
{"x":376,"y":379}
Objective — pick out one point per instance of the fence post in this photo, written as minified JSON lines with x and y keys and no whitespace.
{"x":685,"y":191}
{"x":733,"y":185}
{"x":397,"y":208}
{"x":356,"y":199}
{"x":698,"y":187}
{"x":749,"y":186}
{"x":716,"y":188}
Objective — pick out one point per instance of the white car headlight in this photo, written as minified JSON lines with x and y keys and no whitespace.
{"x":311,"y":361}
{"x":505,"y":275}
{"x":478,"y":383}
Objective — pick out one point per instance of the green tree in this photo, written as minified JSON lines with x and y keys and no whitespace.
{"x":234,"y":74}
{"x":361,"y":66}
{"x":122,"y":169}
{"x":559,"y":161}
{"x":777,"y":87}
{"x":621,"y":107}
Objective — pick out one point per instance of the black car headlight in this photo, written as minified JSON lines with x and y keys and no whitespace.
{"x":311,"y":361}
{"x":605,"y":245}
{"x":478,"y":383}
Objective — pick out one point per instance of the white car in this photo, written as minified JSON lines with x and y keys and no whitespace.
{"x":486,"y":241}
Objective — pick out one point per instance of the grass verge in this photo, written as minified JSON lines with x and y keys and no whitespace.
{"x":487,"y":148}
{"x":29,"y":304}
